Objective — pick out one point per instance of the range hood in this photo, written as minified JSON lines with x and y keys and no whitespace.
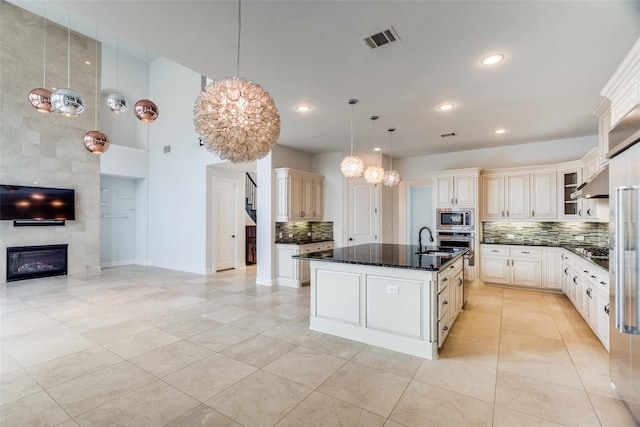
{"x":596,"y":188}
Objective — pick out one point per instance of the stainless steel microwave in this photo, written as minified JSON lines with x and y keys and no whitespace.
{"x":454,"y":219}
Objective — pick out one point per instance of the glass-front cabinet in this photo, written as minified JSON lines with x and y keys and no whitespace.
{"x":570,"y":180}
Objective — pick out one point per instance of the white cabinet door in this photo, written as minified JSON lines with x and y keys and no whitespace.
{"x":602,"y":307}
{"x":464,"y":190}
{"x":544,"y":201}
{"x":495,"y":270}
{"x":318,"y":195}
{"x":308,"y":200}
{"x":569,"y":182}
{"x":493,"y":197}
{"x":299,"y":195}
{"x":444,"y":191}
{"x":553,"y":271}
{"x":526,"y":272}
{"x":296,"y":202}
{"x":517,"y":196}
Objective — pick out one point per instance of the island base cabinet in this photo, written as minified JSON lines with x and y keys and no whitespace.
{"x":386,"y":307}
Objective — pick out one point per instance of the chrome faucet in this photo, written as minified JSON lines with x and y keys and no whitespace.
{"x":420,"y":236}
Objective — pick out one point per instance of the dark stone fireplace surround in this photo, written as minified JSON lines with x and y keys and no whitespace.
{"x":29,"y":262}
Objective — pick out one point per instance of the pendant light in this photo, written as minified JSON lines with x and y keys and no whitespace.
{"x":116,"y":101}
{"x":236,"y":118}
{"x":374,"y":173}
{"x":391,"y":177}
{"x":40,"y":97}
{"x":352,"y":166}
{"x":67,"y":101}
{"x":146,"y":111}
{"x":95,"y":141}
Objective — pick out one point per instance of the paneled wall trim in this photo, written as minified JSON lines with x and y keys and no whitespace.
{"x":48,"y":148}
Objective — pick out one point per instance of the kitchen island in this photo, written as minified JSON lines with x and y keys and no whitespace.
{"x":387,"y":295}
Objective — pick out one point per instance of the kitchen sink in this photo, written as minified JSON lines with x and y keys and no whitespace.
{"x":435,"y":252}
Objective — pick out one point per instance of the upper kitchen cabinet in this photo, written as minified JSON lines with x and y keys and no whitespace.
{"x":300,"y":195}
{"x":456,"y":188}
{"x":623,"y":88}
{"x":570,"y":179}
{"x":517,"y":195}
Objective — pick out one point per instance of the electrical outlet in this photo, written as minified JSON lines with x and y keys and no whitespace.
{"x":290,"y":235}
{"x":309,"y":234}
{"x":392,"y":289}
{"x":581,"y":238}
{"x":511,"y":236}
{"x":280,"y":235}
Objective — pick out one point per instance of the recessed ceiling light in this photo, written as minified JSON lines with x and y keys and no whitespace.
{"x":445,"y":107}
{"x":501,"y":131}
{"x":494,"y":58}
{"x":87,"y":62}
{"x":303,"y":108}
{"x":377,"y":149}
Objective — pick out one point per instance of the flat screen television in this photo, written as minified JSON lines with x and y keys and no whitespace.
{"x":18,"y":202}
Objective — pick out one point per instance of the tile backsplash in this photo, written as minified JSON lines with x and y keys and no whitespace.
{"x":299,"y":231}
{"x":552,"y":233}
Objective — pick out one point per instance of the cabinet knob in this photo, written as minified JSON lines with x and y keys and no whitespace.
{"x":533,"y":213}
{"x":233,"y":235}
{"x":445,"y":328}
{"x":503,"y":214}
{"x":451,"y":201}
{"x":445,"y":302}
{"x":580,"y":212}
{"x":507,"y":214}
{"x":351,"y":239}
{"x":589,"y":212}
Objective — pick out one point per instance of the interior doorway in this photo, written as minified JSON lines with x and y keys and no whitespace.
{"x":364,"y":212}
{"x":225,"y":223}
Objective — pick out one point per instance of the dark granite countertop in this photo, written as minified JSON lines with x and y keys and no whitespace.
{"x":300,"y":242}
{"x":384,"y":255}
{"x":600,"y":262}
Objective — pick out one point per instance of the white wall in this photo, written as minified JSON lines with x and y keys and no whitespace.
{"x":178,"y":208}
{"x":420,"y":211}
{"x":539,"y":153}
{"x":118,"y":207}
{"x":328,"y":165}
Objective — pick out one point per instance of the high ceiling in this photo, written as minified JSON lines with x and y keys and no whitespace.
{"x":559,"y":54}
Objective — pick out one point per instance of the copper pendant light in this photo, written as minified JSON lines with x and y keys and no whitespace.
{"x":95,"y":141}
{"x":146,"y":111}
{"x":40,"y":98}
{"x":67,"y":101}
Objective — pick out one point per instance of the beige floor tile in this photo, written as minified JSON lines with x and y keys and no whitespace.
{"x":16,"y":385}
{"x":542,"y":326}
{"x":76,"y":365}
{"x":260,"y":304}
{"x":542,"y":399}
{"x":208,"y":377}
{"x":539,"y":367}
{"x":114,"y":332}
{"x":218,"y":339}
{"x":228,"y":314}
{"x":154,"y":405}
{"x":202,"y":416}
{"x":469,"y":351}
{"x":335,"y":346}
{"x":397,"y":363}
{"x":503,"y":417}
{"x":368,"y":388}
{"x":596,"y":379}
{"x":471,"y":380}
{"x":305,"y":366}
{"x":477,"y":333}
{"x":391,"y":423}
{"x":612,"y":412}
{"x":204,"y":307}
{"x":90,"y":391}
{"x":287,"y":310}
{"x":8,"y":364}
{"x":141,"y":343}
{"x":258,"y":322}
{"x":320,"y":410}
{"x":35,"y":410}
{"x":545,"y":346}
{"x":484,"y":304}
{"x":49,"y":344}
{"x":261,"y":399}
{"x":426,"y":405}
{"x":68,"y":423}
{"x":259,"y":350}
{"x":293,"y":331}
{"x":588,"y":354}
{"x":170,"y":358}
{"x":189,"y":326}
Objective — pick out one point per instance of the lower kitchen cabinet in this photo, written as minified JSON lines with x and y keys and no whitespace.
{"x":552,"y":268}
{"x":512,"y":265}
{"x":450,"y":298}
{"x":293,"y":272}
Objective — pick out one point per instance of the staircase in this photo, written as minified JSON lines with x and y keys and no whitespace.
{"x":250,"y":197}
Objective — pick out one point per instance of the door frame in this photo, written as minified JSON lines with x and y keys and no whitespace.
{"x":404,"y":208}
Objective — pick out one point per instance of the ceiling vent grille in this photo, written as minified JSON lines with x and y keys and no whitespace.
{"x":382,"y":38}
{"x":446,"y":135}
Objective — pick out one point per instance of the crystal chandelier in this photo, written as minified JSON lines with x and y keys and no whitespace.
{"x":391,"y":177}
{"x":375,"y":173}
{"x":236,"y":118}
{"x":40,"y":98}
{"x":352,"y":166}
{"x":95,"y":141}
{"x":67,"y":101}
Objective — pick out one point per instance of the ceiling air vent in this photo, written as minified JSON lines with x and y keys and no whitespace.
{"x":382,"y":38}
{"x":446,"y":135}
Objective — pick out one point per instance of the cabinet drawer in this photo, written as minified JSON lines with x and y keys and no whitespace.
{"x":443,"y":329}
{"x":444,"y":303}
{"x":495,"y":250}
{"x":443,"y":280}
{"x":526,"y":252}
{"x":327,"y":246}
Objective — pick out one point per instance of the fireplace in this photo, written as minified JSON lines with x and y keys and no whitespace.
{"x":29,"y":262}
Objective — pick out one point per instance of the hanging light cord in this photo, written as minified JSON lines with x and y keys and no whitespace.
{"x":97,"y":89}
{"x":117,"y":62}
{"x":352,"y":130}
{"x":373,"y":119}
{"x":239,"y":32}
{"x":44,"y":44}
{"x":69,"y":50}
{"x":391,"y":149}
